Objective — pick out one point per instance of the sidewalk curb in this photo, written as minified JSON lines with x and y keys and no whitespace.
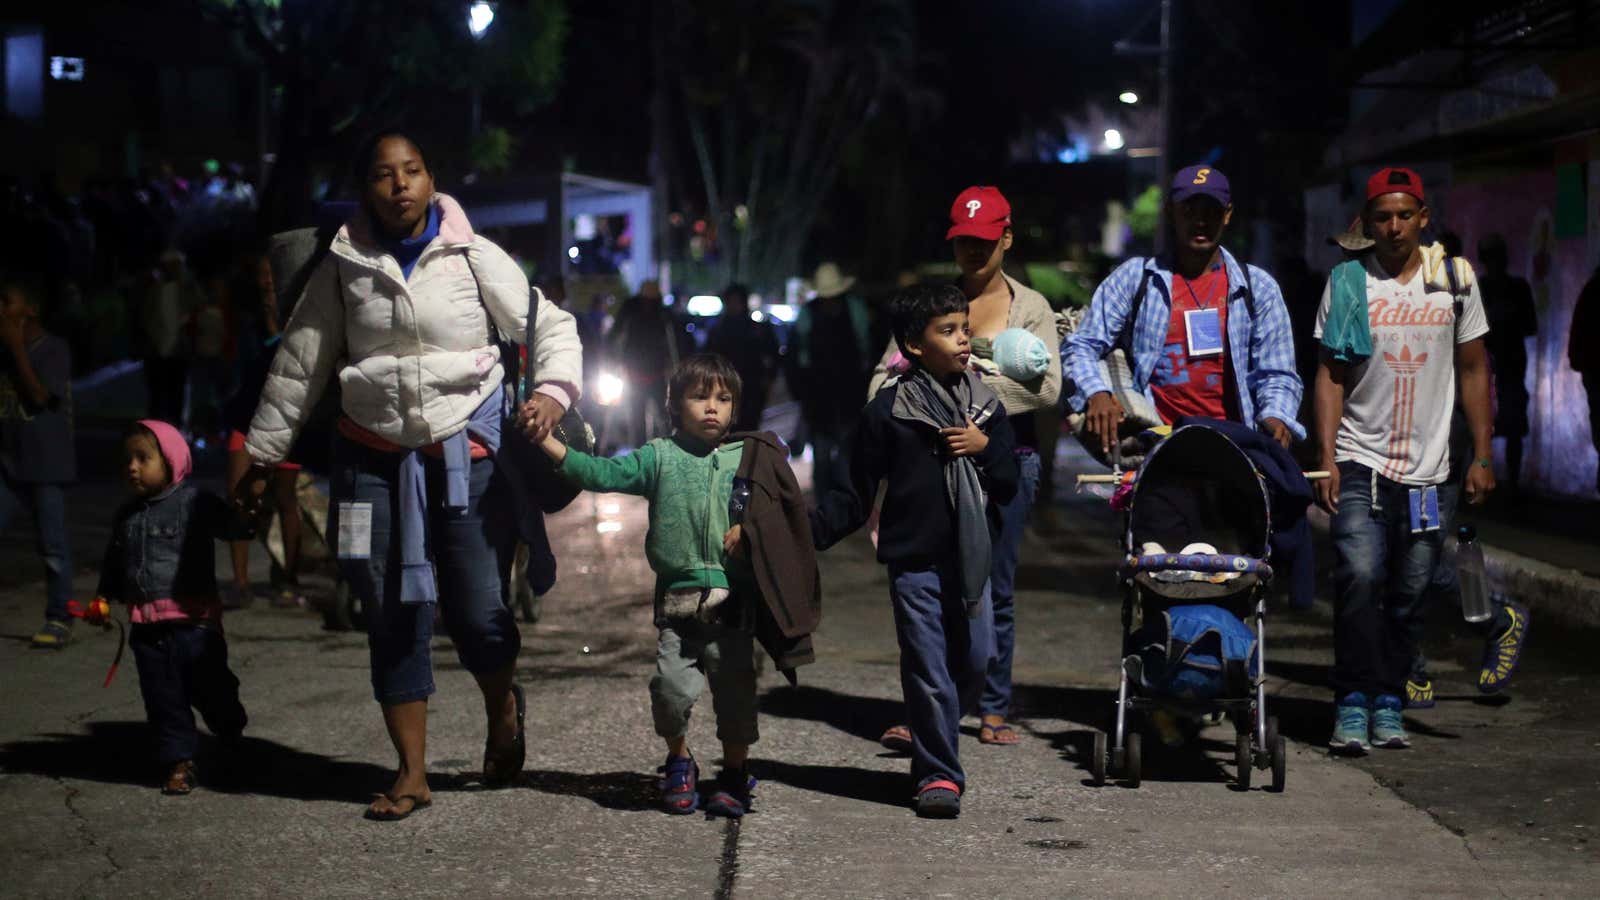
{"x":1564,"y":596}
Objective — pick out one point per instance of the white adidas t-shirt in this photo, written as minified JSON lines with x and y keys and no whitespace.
{"x":1398,"y":403}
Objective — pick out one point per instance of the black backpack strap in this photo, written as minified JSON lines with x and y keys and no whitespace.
{"x":1125,"y":337}
{"x":1250,"y":307}
{"x":510,"y":359}
{"x":1249,"y":292}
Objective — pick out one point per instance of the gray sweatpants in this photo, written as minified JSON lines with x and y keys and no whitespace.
{"x":688,"y":654}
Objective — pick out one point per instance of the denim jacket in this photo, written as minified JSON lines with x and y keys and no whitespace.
{"x":161,"y":548}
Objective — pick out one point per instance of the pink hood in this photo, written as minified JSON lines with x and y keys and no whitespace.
{"x":173,"y":448}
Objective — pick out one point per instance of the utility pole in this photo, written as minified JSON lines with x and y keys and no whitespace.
{"x":1168,"y":25}
{"x":1166,"y":54}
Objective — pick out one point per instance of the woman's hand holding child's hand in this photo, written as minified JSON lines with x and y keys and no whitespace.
{"x":731,"y":541}
{"x":539,"y":416}
{"x":967,"y":441}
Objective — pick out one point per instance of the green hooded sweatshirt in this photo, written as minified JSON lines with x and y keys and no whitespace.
{"x":688,"y":485}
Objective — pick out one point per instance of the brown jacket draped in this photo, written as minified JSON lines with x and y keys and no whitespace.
{"x":777,"y":530}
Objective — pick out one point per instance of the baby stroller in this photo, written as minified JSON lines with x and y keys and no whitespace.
{"x":1195,"y":572}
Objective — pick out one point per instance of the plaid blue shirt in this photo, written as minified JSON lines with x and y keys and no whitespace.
{"x":1262,"y":349}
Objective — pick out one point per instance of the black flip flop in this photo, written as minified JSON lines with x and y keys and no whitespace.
{"x":512,"y":759}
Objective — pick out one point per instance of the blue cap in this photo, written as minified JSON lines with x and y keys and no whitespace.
{"x":1200,"y":181}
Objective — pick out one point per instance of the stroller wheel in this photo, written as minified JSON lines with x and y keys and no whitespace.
{"x":1133,"y":759}
{"x":1242,"y":760}
{"x":1097,"y":760}
{"x":1272,"y":732}
{"x":1280,"y":763}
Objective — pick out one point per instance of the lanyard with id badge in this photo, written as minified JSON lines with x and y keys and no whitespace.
{"x":1424,"y":504}
{"x":1202,"y":327}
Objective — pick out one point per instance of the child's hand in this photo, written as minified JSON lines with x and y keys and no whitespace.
{"x":553,"y":448}
{"x":968,"y":441}
{"x":730,"y":541}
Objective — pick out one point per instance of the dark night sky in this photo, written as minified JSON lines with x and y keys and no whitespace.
{"x":995,"y":63}
{"x":1256,"y":89}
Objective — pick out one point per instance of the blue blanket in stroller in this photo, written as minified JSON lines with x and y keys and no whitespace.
{"x":1198,"y":652}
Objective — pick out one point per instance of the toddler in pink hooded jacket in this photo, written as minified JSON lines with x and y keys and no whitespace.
{"x":161,"y":562}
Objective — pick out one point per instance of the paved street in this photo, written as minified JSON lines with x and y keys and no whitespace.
{"x":1496,"y":798}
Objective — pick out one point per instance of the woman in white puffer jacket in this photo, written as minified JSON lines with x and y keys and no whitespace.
{"x":401,"y":307}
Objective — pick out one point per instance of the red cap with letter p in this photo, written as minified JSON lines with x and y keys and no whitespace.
{"x":980,"y":212}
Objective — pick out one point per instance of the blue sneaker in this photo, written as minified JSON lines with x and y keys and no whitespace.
{"x":1351,"y":722}
{"x":1419,"y":692}
{"x":680,"y":778}
{"x":733,"y":795}
{"x":1387,"y":730}
{"x":1503,"y":651}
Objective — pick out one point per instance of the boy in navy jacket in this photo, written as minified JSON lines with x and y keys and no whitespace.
{"x":940,"y":440}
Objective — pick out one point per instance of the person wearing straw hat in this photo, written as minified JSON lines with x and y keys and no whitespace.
{"x":830,"y":362}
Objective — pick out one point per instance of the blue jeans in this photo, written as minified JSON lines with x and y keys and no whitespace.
{"x":1381,"y":574}
{"x":1002,"y":586}
{"x":184,"y":667}
{"x":472,"y":557}
{"x":48,"y":503}
{"x":943,"y":657}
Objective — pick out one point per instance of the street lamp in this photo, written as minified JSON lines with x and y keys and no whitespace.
{"x":1128,"y":97}
{"x":479,"y":16}
{"x":1113,"y":139}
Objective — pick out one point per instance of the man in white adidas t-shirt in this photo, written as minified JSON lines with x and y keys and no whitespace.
{"x":1383,"y":419}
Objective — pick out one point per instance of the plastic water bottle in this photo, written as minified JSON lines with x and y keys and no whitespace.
{"x":738,"y":501}
{"x":1470,"y":573}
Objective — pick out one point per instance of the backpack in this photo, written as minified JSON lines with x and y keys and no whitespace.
{"x":1197,"y":652}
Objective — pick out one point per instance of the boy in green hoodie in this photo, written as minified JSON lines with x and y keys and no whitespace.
{"x":701,"y":584}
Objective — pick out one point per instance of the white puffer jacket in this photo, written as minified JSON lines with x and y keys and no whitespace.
{"x":415,"y":356}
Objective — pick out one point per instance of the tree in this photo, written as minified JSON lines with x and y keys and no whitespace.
{"x":771,"y":94}
{"x":341,"y":70}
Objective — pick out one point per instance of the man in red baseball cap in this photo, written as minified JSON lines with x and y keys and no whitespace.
{"x":980,"y":234}
{"x":1401,"y":330}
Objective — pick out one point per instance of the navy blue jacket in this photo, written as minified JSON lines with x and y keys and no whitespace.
{"x":918,"y":524}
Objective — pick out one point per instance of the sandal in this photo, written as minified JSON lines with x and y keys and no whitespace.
{"x":995,"y":732}
{"x":939,"y":799}
{"x":394,"y":813}
{"x":897,"y":739}
{"x":500,"y":769}
{"x":181,"y":780}
{"x":680,"y":778}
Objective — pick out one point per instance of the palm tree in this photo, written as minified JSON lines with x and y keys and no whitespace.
{"x":771,"y":94}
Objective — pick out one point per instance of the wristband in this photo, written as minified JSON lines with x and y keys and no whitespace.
{"x":1485,"y":461}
